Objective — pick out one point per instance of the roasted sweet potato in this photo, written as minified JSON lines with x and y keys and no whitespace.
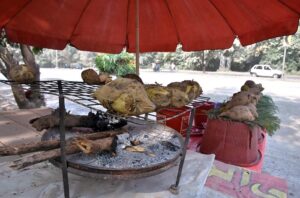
{"x":90,"y":77}
{"x":159,"y":95}
{"x":125,"y":96}
{"x":241,"y":98}
{"x":190,"y":87}
{"x":239,"y":113}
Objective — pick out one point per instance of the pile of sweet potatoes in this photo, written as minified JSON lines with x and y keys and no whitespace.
{"x":242,"y":105}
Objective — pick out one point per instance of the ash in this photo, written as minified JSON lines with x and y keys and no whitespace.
{"x":160,"y":147}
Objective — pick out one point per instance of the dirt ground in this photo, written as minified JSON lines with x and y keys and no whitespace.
{"x":282,"y":155}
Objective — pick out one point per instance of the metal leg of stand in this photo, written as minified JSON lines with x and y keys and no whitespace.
{"x":146,"y":116}
{"x":63,"y":140}
{"x":174,"y":188}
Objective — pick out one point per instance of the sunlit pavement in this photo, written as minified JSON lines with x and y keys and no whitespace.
{"x":282,"y":156}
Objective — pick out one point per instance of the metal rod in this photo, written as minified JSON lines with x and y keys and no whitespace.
{"x":137,"y":38}
{"x":174,"y":187}
{"x":283,"y":61}
{"x":56,"y":60}
{"x":63,"y":140}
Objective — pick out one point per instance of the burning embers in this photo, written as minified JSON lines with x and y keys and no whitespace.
{"x":142,"y":147}
{"x":98,"y":122}
{"x":129,"y":150}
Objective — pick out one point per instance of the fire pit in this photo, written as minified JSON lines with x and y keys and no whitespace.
{"x":162,"y":147}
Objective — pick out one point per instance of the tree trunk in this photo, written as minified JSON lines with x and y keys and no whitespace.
{"x":25,"y":99}
{"x":36,"y":97}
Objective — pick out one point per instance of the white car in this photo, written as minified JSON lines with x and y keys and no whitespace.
{"x":265,"y":70}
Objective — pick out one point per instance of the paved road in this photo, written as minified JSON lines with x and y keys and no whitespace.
{"x":282,"y":156}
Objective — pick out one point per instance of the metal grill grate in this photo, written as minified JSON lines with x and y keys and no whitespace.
{"x":81,"y":93}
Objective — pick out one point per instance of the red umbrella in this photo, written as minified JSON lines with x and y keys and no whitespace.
{"x":110,"y":25}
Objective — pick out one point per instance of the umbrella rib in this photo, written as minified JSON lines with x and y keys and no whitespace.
{"x":231,"y":28}
{"x":127,"y":31}
{"x":290,"y":8}
{"x":177,"y":33}
{"x":79,"y":19}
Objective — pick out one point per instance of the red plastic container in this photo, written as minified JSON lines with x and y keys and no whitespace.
{"x":261,"y":135}
{"x":262,"y":147}
{"x":201,"y":113}
{"x":180,"y":121}
{"x":232,"y":142}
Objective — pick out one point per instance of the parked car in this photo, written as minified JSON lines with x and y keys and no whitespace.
{"x":265,"y":70}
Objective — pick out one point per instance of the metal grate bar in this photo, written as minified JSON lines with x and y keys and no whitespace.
{"x":81,"y":93}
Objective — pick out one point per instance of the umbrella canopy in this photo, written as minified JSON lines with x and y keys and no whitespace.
{"x":110,"y":25}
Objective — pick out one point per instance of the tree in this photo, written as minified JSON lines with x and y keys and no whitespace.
{"x":202,"y":60}
{"x":273,"y":52}
{"x":119,"y":64}
{"x":25,"y":99}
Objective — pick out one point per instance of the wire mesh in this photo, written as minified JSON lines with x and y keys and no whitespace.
{"x":81,"y":93}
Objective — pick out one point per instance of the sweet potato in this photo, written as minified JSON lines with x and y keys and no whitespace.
{"x":253,"y":110}
{"x":159,"y":95}
{"x":179,"y":98}
{"x":125,"y":96}
{"x":90,"y":77}
{"x":239,"y":113}
{"x":241,"y":98}
{"x":190,"y":87}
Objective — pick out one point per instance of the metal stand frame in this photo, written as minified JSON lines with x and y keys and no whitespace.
{"x":64,"y":167}
{"x":175,"y":187}
{"x":80,"y":93}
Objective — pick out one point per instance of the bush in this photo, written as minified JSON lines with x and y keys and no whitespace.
{"x":213,"y":64}
{"x":119,"y":64}
{"x":246,"y":64}
{"x":104,"y":63}
{"x":122,"y":70}
{"x":236,"y":66}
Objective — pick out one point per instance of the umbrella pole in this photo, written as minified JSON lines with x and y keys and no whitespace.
{"x":137,"y":38}
{"x":64,"y":165}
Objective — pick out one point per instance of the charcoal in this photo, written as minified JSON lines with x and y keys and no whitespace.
{"x":170,"y":146}
{"x":160,"y":146}
{"x":104,"y":122}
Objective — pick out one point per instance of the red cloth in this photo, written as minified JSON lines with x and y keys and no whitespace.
{"x":109,"y":25}
{"x":240,"y":183}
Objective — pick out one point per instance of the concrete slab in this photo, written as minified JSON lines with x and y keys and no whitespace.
{"x":15,"y":127}
{"x":14,"y":133}
{"x":22,"y":117}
